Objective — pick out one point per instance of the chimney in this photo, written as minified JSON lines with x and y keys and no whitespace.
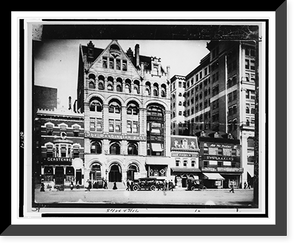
{"x":137,"y":55}
{"x":70,"y":99}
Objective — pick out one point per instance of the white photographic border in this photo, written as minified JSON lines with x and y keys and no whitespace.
{"x":36,"y":17}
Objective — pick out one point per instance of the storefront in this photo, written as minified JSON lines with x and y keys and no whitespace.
{"x":57,"y":170}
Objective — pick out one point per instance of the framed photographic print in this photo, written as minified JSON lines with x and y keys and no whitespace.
{"x":149,"y":123}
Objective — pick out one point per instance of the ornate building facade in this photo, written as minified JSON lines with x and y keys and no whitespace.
{"x":125,"y":98}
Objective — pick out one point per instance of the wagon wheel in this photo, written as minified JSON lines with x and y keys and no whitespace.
{"x":135,"y":188}
{"x":152,"y":188}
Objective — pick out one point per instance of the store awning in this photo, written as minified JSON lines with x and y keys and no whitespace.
{"x":185,"y":170}
{"x":156,"y":147}
{"x":214,"y":176}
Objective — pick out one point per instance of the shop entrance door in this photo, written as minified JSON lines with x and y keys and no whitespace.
{"x":114,"y":174}
{"x":78,"y":176}
{"x":59,"y":175}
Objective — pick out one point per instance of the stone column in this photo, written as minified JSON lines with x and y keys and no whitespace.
{"x":124,"y":119}
{"x":105,"y":118}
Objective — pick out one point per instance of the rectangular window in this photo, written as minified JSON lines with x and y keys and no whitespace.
{"x":124,"y":65}
{"x":205,"y":163}
{"x":118,"y":64}
{"x":177,"y":162}
{"x":99,"y":124}
{"x":104,"y":62}
{"x":193,"y":163}
{"x":135,"y":127}
{"x":185,"y":163}
{"x":118,"y":126}
{"x":220,"y":164}
{"x":252,"y":64}
{"x":129,"y":127}
{"x":111,"y":63}
{"x":247,"y":64}
{"x":111,"y":125}
{"x":92,"y":124}
{"x":205,"y":150}
{"x":220,"y":151}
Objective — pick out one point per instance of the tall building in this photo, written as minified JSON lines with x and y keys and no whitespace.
{"x":125,"y":98}
{"x":177,"y":104}
{"x":220,"y":96}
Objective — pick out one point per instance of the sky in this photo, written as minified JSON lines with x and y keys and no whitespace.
{"x":56,"y":61}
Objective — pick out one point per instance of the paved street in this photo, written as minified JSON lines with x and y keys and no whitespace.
{"x":222,"y":197}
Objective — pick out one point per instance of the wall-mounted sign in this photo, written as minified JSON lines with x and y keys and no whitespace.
{"x":115,"y":136}
{"x":57,"y":160}
{"x":219,"y":158}
{"x":184,"y":155}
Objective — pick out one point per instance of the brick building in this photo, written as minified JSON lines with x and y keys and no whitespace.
{"x":59,"y":146}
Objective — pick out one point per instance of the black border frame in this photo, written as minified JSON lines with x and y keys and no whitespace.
{"x":280,"y":228}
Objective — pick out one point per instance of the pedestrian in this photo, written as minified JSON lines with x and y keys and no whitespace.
{"x":131,"y":185}
{"x":115,"y":186}
{"x":165,"y":187}
{"x":71,"y":185}
{"x":87,"y":185}
{"x":231,"y":188}
{"x":245,"y":185}
{"x":42,"y":189}
{"x":128,"y":185}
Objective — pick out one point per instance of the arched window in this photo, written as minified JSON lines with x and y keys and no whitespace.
{"x":163,"y":90}
{"x":96,"y":147}
{"x":155,"y":89}
{"x":92,"y":81}
{"x":136,"y":87}
{"x":119,"y":88}
{"x":114,"y":107}
{"x":132,"y":149}
{"x":148,"y":88}
{"x":132,"y":109}
{"x":128,"y":86}
{"x":114,"y":148}
{"x":101,"y":81}
{"x":110,"y":87}
{"x":95,"y":106}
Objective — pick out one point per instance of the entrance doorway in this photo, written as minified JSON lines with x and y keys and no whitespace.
{"x":115,"y":174}
{"x":78,"y":176}
{"x":130,"y":172}
{"x":59,"y":175}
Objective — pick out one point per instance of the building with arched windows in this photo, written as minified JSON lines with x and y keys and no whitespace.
{"x":59,"y":147}
{"x":125,"y":98}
